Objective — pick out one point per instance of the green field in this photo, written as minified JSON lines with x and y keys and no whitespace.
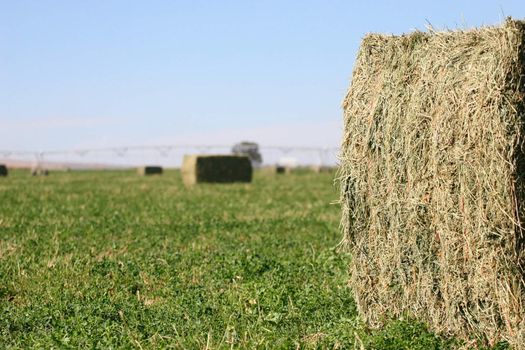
{"x":115,"y":260}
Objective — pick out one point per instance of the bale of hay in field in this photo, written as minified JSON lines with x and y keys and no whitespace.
{"x":322,"y":169}
{"x":150,"y":170}
{"x":3,"y":170}
{"x":272,"y":169}
{"x":281,"y":169}
{"x":39,"y":172}
{"x":216,"y":169}
{"x":433,"y":180}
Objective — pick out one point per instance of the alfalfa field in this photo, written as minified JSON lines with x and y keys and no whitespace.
{"x":110,"y":259}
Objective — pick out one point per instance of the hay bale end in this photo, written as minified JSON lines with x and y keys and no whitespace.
{"x":433,"y":180}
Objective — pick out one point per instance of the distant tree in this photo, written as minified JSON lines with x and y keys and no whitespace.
{"x":250,"y":149}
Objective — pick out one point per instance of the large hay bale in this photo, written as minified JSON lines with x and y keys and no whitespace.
{"x":216,"y":169}
{"x":150,"y":170}
{"x":433,"y":180}
{"x":3,"y":170}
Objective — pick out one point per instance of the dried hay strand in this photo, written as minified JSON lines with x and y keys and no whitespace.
{"x":433,"y":180}
{"x":3,"y":170}
{"x":216,"y":169}
{"x":150,"y":170}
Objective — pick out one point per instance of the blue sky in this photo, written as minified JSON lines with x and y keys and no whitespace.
{"x":77,"y":74}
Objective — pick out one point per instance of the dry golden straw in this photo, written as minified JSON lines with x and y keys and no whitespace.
{"x":433,"y":180}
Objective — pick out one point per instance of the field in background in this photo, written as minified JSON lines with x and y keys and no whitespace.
{"x":111,"y":259}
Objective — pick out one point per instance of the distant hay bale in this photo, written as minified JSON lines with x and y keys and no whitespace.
{"x":307,"y":169}
{"x":216,"y":169}
{"x":39,"y":172}
{"x":433,"y":180}
{"x":273,"y":169}
{"x":150,"y":170}
{"x":3,"y":170}
{"x":322,"y":169}
{"x":281,"y":169}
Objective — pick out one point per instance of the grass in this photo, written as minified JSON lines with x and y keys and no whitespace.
{"x":115,"y":260}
